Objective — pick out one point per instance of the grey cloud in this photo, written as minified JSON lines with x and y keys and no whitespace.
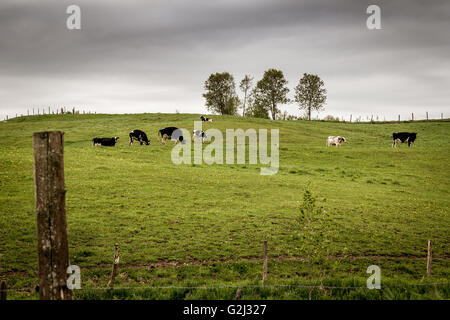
{"x":154,"y":56}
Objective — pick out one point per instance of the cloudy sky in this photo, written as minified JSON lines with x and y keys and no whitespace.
{"x":154,"y":56}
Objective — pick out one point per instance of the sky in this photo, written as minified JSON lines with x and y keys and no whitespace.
{"x":154,"y":56}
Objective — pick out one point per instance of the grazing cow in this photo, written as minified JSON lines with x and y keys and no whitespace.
{"x":403,"y":137}
{"x":140,"y":136}
{"x":199,"y":134}
{"x":107,"y":142}
{"x":205,"y":119}
{"x":335,"y":140}
{"x":171,"y":133}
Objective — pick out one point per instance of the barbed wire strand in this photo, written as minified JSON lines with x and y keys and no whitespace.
{"x":241,"y":287}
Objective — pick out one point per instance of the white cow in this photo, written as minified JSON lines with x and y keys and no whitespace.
{"x":199,"y":134}
{"x":335,"y":140}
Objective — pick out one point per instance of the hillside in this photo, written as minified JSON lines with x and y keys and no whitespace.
{"x":204,"y":224}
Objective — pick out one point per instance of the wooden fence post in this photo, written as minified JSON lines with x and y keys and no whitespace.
{"x":238,"y":294}
{"x":427,"y":115}
{"x":114,"y":266}
{"x":398,"y":118}
{"x":264,"y":275}
{"x":3,"y":291}
{"x":412,"y":116}
{"x":442,"y":116}
{"x":429,"y":259}
{"x":50,"y":196}
{"x":350,"y":118}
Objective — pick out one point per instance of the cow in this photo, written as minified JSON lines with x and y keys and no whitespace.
{"x":171,"y":133}
{"x":107,"y":142}
{"x":199,"y":134}
{"x":403,"y":137}
{"x":335,"y":140}
{"x":140,"y":136}
{"x":204,"y":119}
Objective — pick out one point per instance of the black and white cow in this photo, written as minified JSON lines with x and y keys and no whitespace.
{"x":171,"y":133}
{"x":335,"y":140}
{"x":107,"y":142}
{"x":206,"y":119}
{"x":199,"y":134}
{"x":140,"y":136}
{"x":403,"y":137}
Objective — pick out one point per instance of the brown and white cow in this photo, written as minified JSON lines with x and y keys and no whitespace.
{"x":335,"y":140}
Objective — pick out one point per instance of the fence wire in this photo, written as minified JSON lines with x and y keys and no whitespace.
{"x":241,"y":287}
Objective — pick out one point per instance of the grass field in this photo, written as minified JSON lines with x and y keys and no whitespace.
{"x":203,"y":225}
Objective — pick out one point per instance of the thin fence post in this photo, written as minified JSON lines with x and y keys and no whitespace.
{"x":398,"y":118}
{"x":264,"y":275}
{"x":50,"y":193}
{"x":3,"y":291}
{"x":350,"y":118}
{"x":412,"y":116}
{"x":429,"y":259}
{"x":427,"y":115}
{"x":114,"y":266}
{"x":238,"y":294}
{"x":442,"y":116}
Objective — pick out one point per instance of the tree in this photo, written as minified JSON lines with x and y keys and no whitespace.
{"x":255,"y":109}
{"x":310,"y":93}
{"x":245,"y":86}
{"x":271,"y":90}
{"x":221,"y":94}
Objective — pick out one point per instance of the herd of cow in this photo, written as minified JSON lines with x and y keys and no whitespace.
{"x":402,"y":137}
{"x":169,"y":133}
{"x":173,"y":133}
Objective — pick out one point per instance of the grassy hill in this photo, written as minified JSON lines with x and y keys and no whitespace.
{"x":203,"y":225}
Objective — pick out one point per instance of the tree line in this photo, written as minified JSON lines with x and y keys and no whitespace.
{"x":263,"y":99}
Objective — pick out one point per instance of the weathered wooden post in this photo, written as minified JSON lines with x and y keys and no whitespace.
{"x":427,"y":115}
{"x":429,"y":259}
{"x":350,"y":118}
{"x":442,"y":116}
{"x":114,"y":266}
{"x":51,"y":215}
{"x":398,"y":118}
{"x":3,"y":291}
{"x":412,"y":116}
{"x":238,"y":294}
{"x":264,"y":276}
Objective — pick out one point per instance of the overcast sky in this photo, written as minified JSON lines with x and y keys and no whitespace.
{"x":154,"y":56}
